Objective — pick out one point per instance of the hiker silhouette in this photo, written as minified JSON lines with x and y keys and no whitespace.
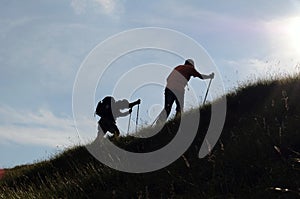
{"x":108,"y":109}
{"x":175,"y":88}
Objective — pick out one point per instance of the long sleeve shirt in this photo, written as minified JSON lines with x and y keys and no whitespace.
{"x":178,"y":78}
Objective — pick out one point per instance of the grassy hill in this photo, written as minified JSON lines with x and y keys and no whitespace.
{"x":258,"y":155}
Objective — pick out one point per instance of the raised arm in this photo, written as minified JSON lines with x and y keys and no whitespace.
{"x":201,"y":76}
{"x":210,"y":76}
{"x":123,"y":114}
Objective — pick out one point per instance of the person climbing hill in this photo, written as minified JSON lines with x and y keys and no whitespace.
{"x":175,"y":88}
{"x":109,"y":110}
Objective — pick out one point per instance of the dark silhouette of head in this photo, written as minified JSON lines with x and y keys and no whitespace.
{"x":189,"y":62}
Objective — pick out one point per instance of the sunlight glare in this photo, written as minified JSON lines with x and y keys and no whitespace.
{"x":293,"y":30}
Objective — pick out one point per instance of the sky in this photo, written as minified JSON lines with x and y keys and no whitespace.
{"x":44,"y":43}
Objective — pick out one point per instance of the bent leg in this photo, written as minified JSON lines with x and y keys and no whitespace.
{"x":169,"y":100}
{"x":102,"y":127}
{"x":109,"y":125}
{"x":114,"y":129}
{"x":179,"y":103}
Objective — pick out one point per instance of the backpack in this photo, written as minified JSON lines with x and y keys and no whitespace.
{"x":103,"y":108}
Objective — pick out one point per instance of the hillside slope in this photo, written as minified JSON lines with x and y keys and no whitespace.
{"x":258,"y":155}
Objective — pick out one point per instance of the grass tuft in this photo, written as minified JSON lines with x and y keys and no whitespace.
{"x":258,"y":155}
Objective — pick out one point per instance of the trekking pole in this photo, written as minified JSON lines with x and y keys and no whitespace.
{"x":129,"y":123}
{"x":154,"y":121}
{"x":207,"y":92}
{"x":137,"y":118}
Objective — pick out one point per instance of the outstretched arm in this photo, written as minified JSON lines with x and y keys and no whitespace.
{"x":202,"y":76}
{"x":123,"y":114}
{"x":124,"y":104}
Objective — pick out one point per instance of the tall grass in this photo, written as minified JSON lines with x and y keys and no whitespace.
{"x":258,"y":155}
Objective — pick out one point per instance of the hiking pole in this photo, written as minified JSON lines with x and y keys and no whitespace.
{"x":129,"y":123}
{"x":137,"y":118}
{"x":154,"y":121}
{"x":131,"y":105}
{"x":207,"y":91}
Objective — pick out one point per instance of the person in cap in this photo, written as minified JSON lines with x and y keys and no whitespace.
{"x":175,"y":88}
{"x":108,"y":109}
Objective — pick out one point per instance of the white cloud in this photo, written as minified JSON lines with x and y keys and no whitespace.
{"x":7,"y":25}
{"x":109,"y":7}
{"x":45,"y":59}
{"x":242,"y":70}
{"x":249,"y":70}
{"x":79,"y":6}
{"x":37,"y":128}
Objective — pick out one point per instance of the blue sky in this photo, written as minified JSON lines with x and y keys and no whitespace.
{"x":43,"y":44}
